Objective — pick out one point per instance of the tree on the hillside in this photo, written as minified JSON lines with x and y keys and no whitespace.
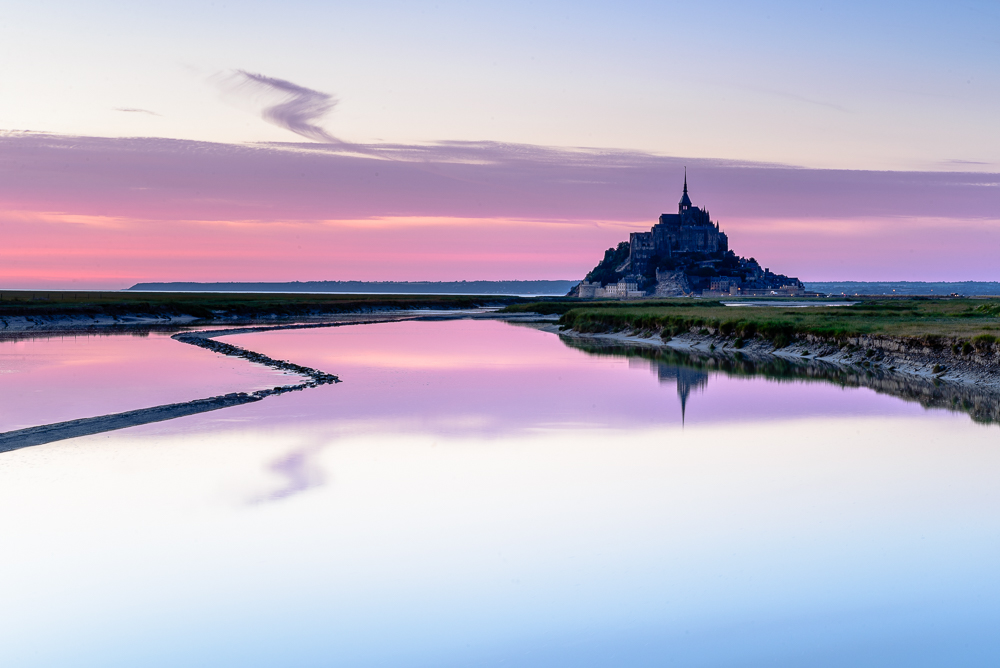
{"x":605,"y":272}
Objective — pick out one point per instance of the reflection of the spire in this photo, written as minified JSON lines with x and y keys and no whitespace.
{"x":687,"y":380}
{"x":691,"y":368}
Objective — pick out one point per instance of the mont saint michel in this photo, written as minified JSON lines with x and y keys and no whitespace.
{"x":684,"y":254}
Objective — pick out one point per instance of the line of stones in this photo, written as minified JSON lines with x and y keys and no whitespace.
{"x":315,"y":376}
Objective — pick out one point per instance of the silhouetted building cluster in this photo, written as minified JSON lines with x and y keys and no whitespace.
{"x":690,"y":230}
{"x":685,"y":253}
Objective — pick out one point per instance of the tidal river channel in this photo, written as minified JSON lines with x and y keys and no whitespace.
{"x":478,"y":493}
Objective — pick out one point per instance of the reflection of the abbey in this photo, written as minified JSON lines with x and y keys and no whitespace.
{"x":690,"y":370}
{"x":686,"y":378}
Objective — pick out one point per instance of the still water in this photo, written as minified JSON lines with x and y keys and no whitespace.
{"x":46,"y":380}
{"x":480,"y":494}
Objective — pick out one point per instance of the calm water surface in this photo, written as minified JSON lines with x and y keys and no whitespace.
{"x":479,"y":494}
{"x":46,"y":380}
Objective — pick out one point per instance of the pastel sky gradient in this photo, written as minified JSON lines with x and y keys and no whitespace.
{"x":411,"y":141}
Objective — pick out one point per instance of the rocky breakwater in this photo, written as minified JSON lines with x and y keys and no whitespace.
{"x":975,"y":359}
{"x":936,"y":372}
{"x":205,"y":339}
{"x":954,"y":373}
{"x":48,"y":433}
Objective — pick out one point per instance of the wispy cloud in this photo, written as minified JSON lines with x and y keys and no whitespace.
{"x":132,"y":110}
{"x":299,"y":472}
{"x":286,"y":104}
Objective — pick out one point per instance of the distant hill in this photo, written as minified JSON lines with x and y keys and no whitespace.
{"x":966,"y":288}
{"x":540,"y":288}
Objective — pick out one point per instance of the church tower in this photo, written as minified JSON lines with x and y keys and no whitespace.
{"x":685,"y":202}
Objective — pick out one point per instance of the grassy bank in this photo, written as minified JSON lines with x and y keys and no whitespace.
{"x":966,"y":323}
{"x":215,"y":305}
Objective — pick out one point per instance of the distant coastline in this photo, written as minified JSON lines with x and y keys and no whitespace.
{"x":508,"y":288}
{"x":929,"y":288}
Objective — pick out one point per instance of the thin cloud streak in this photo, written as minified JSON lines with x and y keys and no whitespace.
{"x":299,"y":109}
{"x":171,"y":179}
{"x":131,"y":110}
{"x":125,"y":210}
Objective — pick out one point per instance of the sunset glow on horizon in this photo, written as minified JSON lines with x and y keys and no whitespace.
{"x":828,"y":147}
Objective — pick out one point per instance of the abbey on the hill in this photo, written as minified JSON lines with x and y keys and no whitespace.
{"x":690,"y":230}
{"x":684,"y":254}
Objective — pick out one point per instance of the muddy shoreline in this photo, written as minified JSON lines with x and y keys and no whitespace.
{"x":933,"y":378}
{"x":20,"y":327}
{"x":907,"y":357}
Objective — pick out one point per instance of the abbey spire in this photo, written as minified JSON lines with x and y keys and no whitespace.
{"x":685,"y":202}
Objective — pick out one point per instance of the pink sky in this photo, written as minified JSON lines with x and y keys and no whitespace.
{"x":105,"y":213}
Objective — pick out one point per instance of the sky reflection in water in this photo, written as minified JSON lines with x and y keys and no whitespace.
{"x":479,"y":494}
{"x":52,"y":379}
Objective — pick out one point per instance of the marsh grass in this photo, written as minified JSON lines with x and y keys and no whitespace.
{"x":932,"y":320}
{"x":207,"y":305}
